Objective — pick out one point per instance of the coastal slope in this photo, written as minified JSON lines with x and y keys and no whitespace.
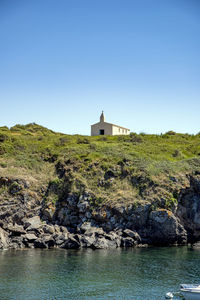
{"x":59,"y":190}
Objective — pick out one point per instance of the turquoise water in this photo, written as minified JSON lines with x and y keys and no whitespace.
{"x":102,"y":274}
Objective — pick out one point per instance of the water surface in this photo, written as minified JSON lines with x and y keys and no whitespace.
{"x":141,"y":274}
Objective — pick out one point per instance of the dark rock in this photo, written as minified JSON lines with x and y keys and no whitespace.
{"x":40,"y":243}
{"x":114,"y":238}
{"x":96,"y":231}
{"x":83,"y":206}
{"x":85,"y":226}
{"x":60,"y":238}
{"x":137,"y":218}
{"x":188,"y":209}
{"x":71,"y":243}
{"x":48,"y":214}
{"x":109,"y":174}
{"x":87,"y":241}
{"x":165,"y":228}
{"x":14,"y":188}
{"x":133,"y":234}
{"x":64,"y":229}
{"x":17,"y":242}
{"x":48,"y":229}
{"x":128,"y":242}
{"x":48,"y":240}
{"x":103,"y":243}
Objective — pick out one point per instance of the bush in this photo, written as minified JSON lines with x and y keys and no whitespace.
{"x":134,"y":138}
{"x":171,"y":132}
{"x":176,"y":153}
{"x":3,"y":137}
{"x":83,"y":141}
{"x":64,"y":140}
{"x":93,"y":147}
{"x":2,"y":150}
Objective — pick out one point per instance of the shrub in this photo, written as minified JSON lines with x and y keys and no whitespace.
{"x":176,"y":153}
{"x":103,"y":138}
{"x":134,"y":138}
{"x":82,"y":141}
{"x":3,"y":165}
{"x":2,"y":150}
{"x":171,"y":132}
{"x":93,"y":147}
{"x":64,"y":140}
{"x":3,"y":137}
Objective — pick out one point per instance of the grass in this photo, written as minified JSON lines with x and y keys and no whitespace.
{"x":140,"y":165}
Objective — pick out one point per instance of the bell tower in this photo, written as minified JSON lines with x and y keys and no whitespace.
{"x":102,"y":118}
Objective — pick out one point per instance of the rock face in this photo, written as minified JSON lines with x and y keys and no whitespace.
{"x":165,"y":228}
{"x":4,"y":241}
{"x":27,"y":221}
{"x":189,"y":209}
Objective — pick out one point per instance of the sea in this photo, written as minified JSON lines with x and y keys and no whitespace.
{"x":137,"y":273}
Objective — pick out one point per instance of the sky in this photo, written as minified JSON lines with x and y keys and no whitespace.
{"x":64,"y":61}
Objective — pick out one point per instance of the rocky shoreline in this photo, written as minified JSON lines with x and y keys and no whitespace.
{"x":36,"y":234}
{"x":26,"y":220}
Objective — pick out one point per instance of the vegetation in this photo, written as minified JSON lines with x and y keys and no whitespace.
{"x":118,"y":169}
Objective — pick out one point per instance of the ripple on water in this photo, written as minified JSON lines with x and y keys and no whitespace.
{"x":102,"y":274}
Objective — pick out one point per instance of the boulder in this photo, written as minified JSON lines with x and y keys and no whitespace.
{"x":48,"y":240}
{"x":4,"y":240}
{"x":48,"y":213}
{"x":165,"y":228}
{"x":16,"y":229}
{"x":103,"y":243}
{"x":32,"y":223}
{"x":48,"y":229}
{"x":64,"y":229}
{"x":94,"y":231}
{"x":72,"y":201}
{"x":30,"y":237}
{"x":57,"y":228}
{"x":132,"y":234}
{"x":99,"y":243}
{"x":85,"y":226}
{"x":128,"y":242}
{"x":87,"y":241}
{"x":114,"y":238}
{"x":17,"y":242}
{"x":196,"y":245}
{"x":83,"y":206}
{"x":71,"y":243}
{"x":40,"y":243}
{"x":138,"y":217}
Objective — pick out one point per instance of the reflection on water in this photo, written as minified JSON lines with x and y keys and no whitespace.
{"x":102,"y":274}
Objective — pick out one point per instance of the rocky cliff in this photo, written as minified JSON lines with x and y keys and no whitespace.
{"x":28,"y":220}
{"x":96,"y":193}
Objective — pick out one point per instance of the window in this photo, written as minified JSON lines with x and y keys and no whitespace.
{"x":101,"y":132}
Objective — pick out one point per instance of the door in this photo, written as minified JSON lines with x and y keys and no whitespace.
{"x":101,"y":132}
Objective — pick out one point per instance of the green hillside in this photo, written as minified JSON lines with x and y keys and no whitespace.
{"x":115,"y":169}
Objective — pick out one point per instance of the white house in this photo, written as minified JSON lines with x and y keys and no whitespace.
{"x":104,"y":128}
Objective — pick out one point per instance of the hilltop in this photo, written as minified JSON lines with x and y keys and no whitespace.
{"x":116,"y":168}
{"x":73,"y":179}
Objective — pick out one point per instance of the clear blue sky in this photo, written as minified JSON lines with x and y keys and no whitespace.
{"x":63,"y":61}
